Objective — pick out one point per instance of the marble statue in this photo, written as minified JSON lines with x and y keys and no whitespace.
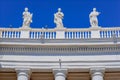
{"x":27,"y":18}
{"x":93,"y":18}
{"x":58,"y":18}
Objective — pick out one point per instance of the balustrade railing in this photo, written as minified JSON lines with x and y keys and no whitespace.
{"x":42,"y":34}
{"x":110,"y":32}
{"x":10,"y":33}
{"x":67,"y":33}
{"x":77,"y":34}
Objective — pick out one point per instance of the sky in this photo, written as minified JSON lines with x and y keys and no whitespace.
{"x":76,"y":12}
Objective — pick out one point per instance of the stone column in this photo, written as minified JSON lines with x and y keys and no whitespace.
{"x":60,"y":74}
{"x":23,"y":74}
{"x":97,"y":73}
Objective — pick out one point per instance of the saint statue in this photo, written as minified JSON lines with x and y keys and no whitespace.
{"x":27,"y":18}
{"x":93,"y":18}
{"x":58,"y":18}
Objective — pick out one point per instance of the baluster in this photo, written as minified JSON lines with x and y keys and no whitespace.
{"x":30,"y":35}
{"x":103,"y":34}
{"x":17,"y":34}
{"x":110,"y":33}
{"x":118,"y":33}
{"x":107,"y":34}
{"x":53,"y":35}
{"x":12,"y":34}
{"x":72,"y":36}
{"x":34,"y":35}
{"x":89,"y":34}
{"x":3,"y":34}
{"x":7,"y":33}
{"x":82,"y":35}
{"x":85,"y":35}
{"x":43,"y":35}
{"x":49,"y":35}
{"x":68,"y":35}
{"x":100,"y":34}
{"x":77,"y":35}
{"x":38,"y":33}
{"x":65,"y":35}
{"x":46,"y":35}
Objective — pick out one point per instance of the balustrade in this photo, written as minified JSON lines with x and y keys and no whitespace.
{"x":10,"y":33}
{"x":45,"y":35}
{"x":110,"y":33}
{"x":77,"y":35}
{"x":73,"y":33}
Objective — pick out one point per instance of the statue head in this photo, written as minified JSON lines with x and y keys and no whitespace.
{"x":59,"y":9}
{"x":26,"y":9}
{"x":94,"y":9}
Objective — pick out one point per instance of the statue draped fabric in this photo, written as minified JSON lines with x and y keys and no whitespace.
{"x":93,"y":18}
{"x":27,"y":18}
{"x":58,"y":18}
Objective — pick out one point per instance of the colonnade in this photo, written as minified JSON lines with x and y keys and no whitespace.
{"x":61,"y":74}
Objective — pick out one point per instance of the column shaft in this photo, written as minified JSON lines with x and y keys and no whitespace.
{"x":97,"y":76}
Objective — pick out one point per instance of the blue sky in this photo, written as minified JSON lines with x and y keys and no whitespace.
{"x":76,"y":12}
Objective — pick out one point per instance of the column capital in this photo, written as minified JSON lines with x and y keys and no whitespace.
{"x":57,"y":71}
{"x":26,"y":70}
{"x":23,"y":73}
{"x":97,"y":71}
{"x":23,"y":70}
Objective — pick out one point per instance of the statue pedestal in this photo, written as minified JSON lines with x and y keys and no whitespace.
{"x":95,"y":27}
{"x":60,"y":27}
{"x":25,"y":27}
{"x":95,"y":31}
